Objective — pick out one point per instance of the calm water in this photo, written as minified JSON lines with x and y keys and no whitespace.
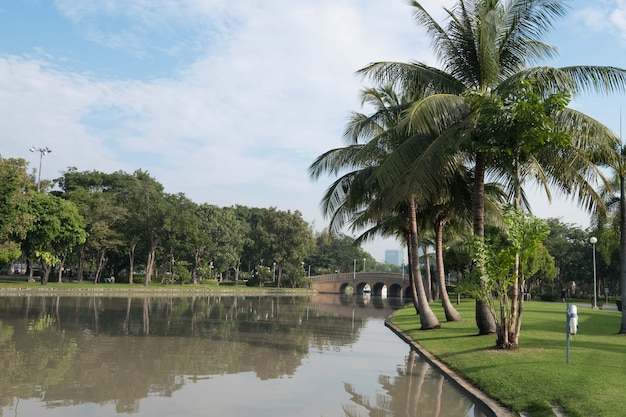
{"x":213,"y":356}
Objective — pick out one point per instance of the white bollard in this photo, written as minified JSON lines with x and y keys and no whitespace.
{"x":572,"y":315}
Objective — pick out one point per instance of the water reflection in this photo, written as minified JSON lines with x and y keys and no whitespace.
{"x":232,"y":356}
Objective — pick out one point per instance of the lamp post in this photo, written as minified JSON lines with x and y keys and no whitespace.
{"x":274,"y":271}
{"x":593,"y":240}
{"x":403,"y":260}
{"x":354,"y":270}
{"x":363,"y":264}
{"x":42,"y":152}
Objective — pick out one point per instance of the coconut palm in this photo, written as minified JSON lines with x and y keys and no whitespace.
{"x":356,"y":197}
{"x":486,"y":48}
{"x":614,"y":218}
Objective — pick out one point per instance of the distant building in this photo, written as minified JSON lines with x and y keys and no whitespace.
{"x":392,"y":256}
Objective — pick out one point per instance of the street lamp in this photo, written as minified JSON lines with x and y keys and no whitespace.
{"x":274,"y":272}
{"x":42,"y":152}
{"x":593,"y":240}
{"x":354,"y":270}
{"x":363,"y":264}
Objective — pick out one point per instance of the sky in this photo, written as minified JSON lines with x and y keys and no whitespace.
{"x":229,"y":102}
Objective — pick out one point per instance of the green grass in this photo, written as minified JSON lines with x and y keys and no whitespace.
{"x":21,"y":282}
{"x":536,"y":377}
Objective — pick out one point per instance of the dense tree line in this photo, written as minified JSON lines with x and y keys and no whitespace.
{"x":93,"y":225}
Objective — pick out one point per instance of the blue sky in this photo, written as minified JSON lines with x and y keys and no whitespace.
{"x":229,"y":101}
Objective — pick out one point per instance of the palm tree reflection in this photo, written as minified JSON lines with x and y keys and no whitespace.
{"x":417,"y":390}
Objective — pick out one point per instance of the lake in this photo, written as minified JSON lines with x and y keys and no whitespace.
{"x":261,"y":356}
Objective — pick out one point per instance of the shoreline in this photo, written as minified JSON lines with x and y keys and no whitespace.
{"x":169,"y":292}
{"x":487,"y":404}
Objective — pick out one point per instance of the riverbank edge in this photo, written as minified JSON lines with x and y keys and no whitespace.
{"x":165,"y":292}
{"x":487,"y":404}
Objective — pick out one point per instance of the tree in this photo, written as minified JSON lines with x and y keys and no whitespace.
{"x":359,"y":196}
{"x":58,"y":226}
{"x":16,"y":187}
{"x":93,"y":194}
{"x":615,"y":198}
{"x":486,"y":47}
{"x":288,"y":239}
{"x":500,"y":253}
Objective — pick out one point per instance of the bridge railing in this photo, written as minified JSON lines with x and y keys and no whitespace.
{"x":363,"y":276}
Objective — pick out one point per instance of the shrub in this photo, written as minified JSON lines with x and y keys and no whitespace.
{"x":549,"y":297}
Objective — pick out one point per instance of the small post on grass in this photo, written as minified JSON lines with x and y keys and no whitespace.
{"x":567,"y":333}
{"x":571,"y":326}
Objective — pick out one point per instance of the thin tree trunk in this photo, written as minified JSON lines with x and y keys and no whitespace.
{"x":485,"y":321}
{"x":131,"y":262}
{"x":451,"y":313}
{"x":46,"y":273}
{"x":427,"y":317}
{"x":63,"y":258}
{"x":622,"y":241}
{"x":416,"y":304}
{"x":81,"y":264}
{"x":517,"y":293}
{"x":150,"y":261}
{"x":428,"y":279}
{"x":100,"y":263}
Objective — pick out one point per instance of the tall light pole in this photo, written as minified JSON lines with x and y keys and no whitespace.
{"x":593,"y":240}
{"x":363,"y":264}
{"x":354,"y":270}
{"x":274,"y":271}
{"x":42,"y":152}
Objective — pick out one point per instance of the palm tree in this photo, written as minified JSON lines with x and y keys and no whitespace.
{"x":486,"y":47}
{"x":356,"y":196}
{"x":615,"y":218}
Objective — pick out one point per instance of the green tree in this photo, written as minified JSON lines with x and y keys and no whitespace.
{"x":16,"y":187}
{"x":289,"y":239}
{"x":615,"y":198}
{"x":569,"y":246}
{"x":359,"y":196}
{"x":500,"y":254}
{"x":58,"y":226}
{"x":93,"y":194}
{"x":487,"y":47}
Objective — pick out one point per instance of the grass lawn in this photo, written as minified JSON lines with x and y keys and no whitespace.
{"x":21,"y":282}
{"x":536,"y":376}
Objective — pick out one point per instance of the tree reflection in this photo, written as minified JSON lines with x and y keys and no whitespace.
{"x":119,"y":350}
{"x":417,"y":390}
{"x":99,"y":351}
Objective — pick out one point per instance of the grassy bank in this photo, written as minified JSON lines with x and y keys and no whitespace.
{"x":536,"y":377}
{"x":12,"y":284}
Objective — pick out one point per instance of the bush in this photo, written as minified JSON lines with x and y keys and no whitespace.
{"x":549,"y":297}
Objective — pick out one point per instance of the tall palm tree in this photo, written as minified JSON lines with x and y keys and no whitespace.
{"x":486,"y":47}
{"x":614,"y":218}
{"x":356,"y":197}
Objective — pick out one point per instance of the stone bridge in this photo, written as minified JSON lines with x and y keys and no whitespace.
{"x":375,"y":283}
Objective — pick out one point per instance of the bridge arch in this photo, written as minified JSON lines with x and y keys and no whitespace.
{"x":380,"y":284}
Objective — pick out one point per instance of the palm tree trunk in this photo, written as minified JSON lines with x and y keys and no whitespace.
{"x":485,"y":321}
{"x":427,"y":317}
{"x":428,"y":286}
{"x":413,"y":287}
{"x":622,"y":241}
{"x":451,"y":313}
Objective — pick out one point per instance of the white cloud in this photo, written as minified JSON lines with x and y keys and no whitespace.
{"x":261,"y":89}
{"x":270,"y":91}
